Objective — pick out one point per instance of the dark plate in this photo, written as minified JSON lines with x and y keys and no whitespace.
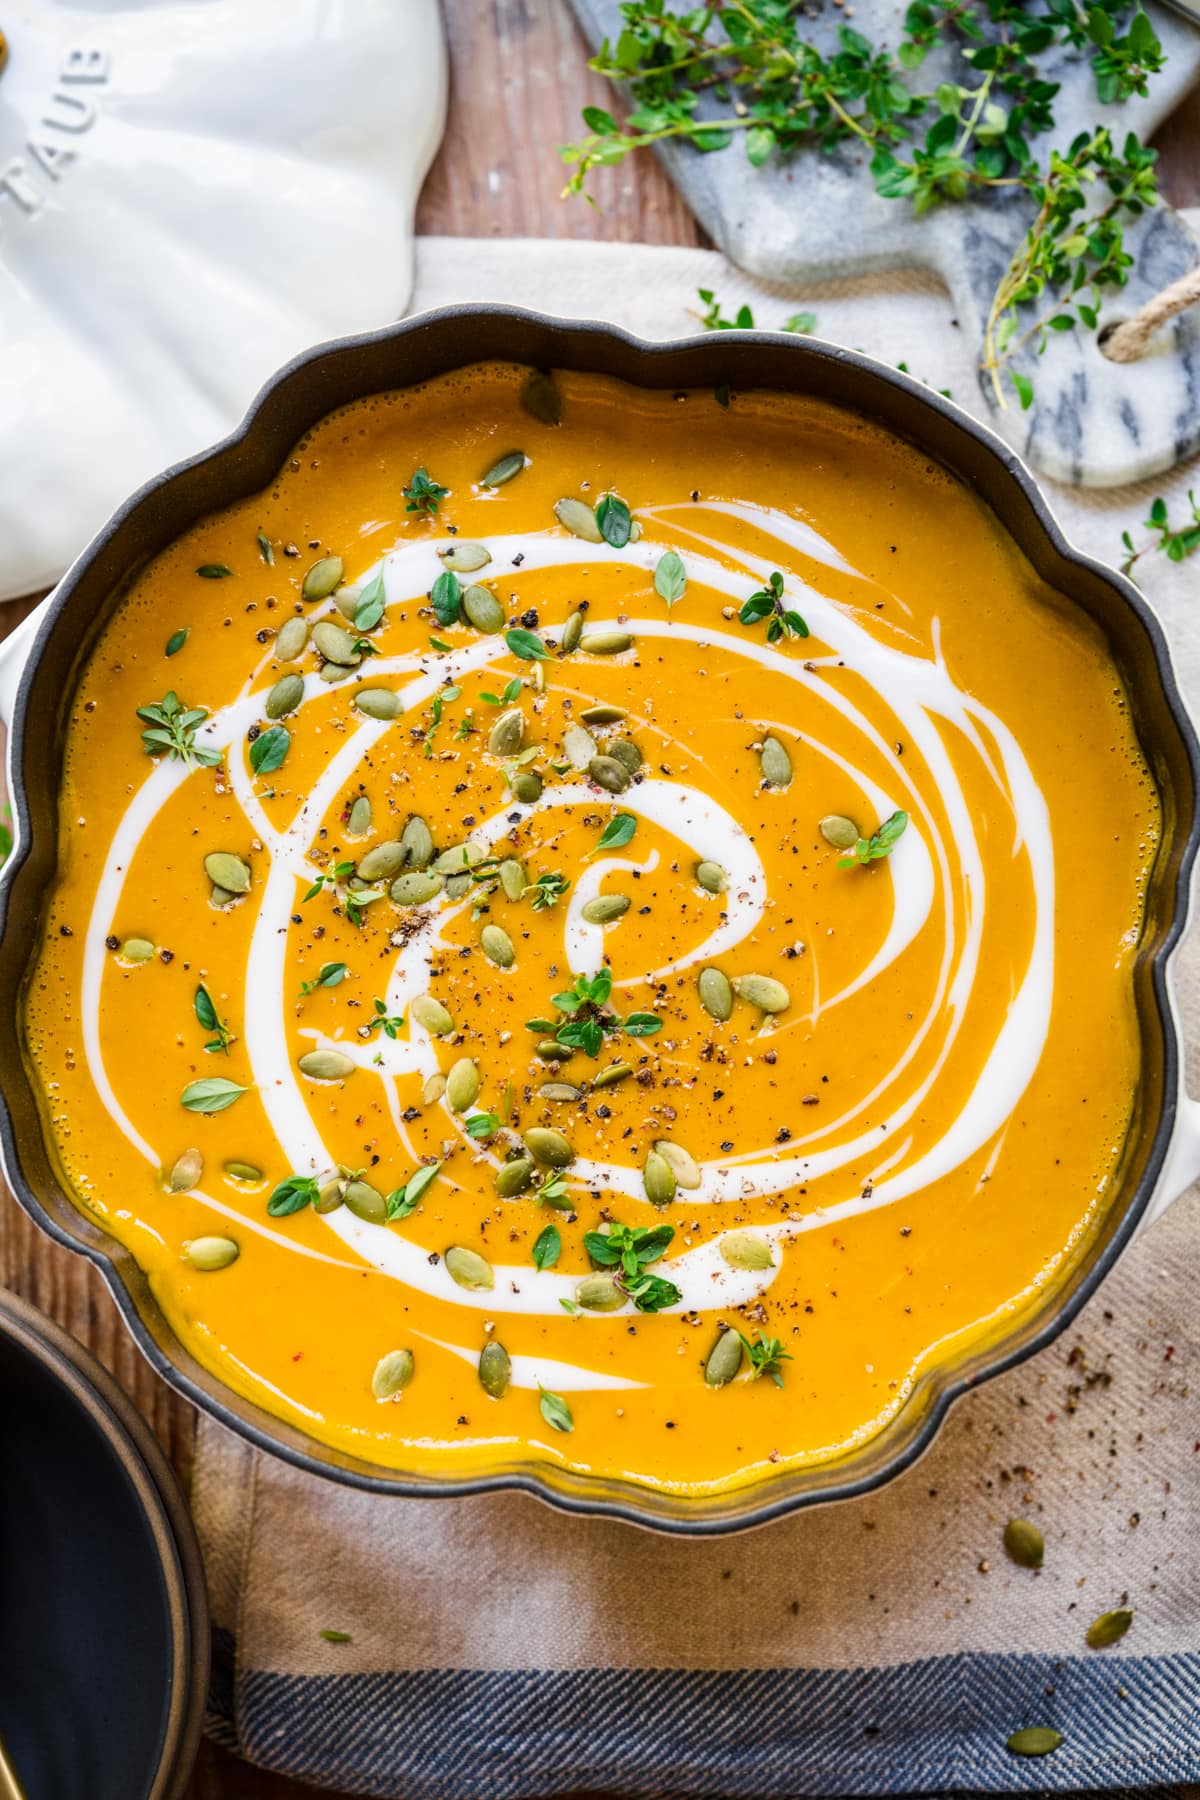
{"x":415,"y":350}
{"x":103,"y":1612}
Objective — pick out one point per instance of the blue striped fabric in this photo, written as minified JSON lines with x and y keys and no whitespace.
{"x":923,"y":1728}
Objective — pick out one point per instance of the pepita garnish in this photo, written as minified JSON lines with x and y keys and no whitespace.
{"x":416,"y":887}
{"x":497,"y":946}
{"x":605,"y":908}
{"x":468,"y":1268}
{"x":227,"y":871}
{"x":712,"y":877}
{"x":627,"y":753}
{"x":429,"y":1012}
{"x":244,"y":1172}
{"x":658,"y":1179}
{"x":527,"y":787}
{"x":541,"y":399}
{"x":1024,"y":1543}
{"x":326,"y":1065}
{"x":137,"y":950}
{"x":457,"y":886}
{"x":684,"y":1166}
{"x":185,"y":1173}
{"x":504,"y":468}
{"x":1035,"y":1740}
{"x":433,"y":1090}
{"x":464,"y":559}
{"x":609,"y":774}
{"x":384,"y":861}
{"x":579,"y":746}
{"x":724,"y":1359}
{"x":284,"y":697}
{"x":839,"y":831}
{"x":495,"y":1369}
{"x":322,"y":578}
{"x":507,"y":734}
{"x":549,"y":1147}
{"x":746,"y":1250}
{"x":462,"y":1085}
{"x":559,"y":1090}
{"x":379,"y":703}
{"x":615,"y":1072}
{"x":359,"y":822}
{"x":483,"y":609}
{"x":599,"y":1293}
{"x":365,"y":1202}
{"x":209,"y":1254}
{"x":418,"y":842}
{"x":604,"y":640}
{"x":763,"y":991}
{"x":393,"y":1373}
{"x":292,"y":639}
{"x":603,"y":715}
{"x":512,"y":878}
{"x":336,"y":644}
{"x":775,"y":763}
{"x":716,"y":994}
{"x":460,"y":856}
{"x":578,"y":519}
{"x":514,"y":1177}
{"x":572,"y":631}
{"x":1109,"y":1628}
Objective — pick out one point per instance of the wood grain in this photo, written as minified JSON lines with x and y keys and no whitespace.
{"x":519,"y":79}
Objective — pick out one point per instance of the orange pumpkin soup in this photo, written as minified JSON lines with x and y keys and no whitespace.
{"x":596,"y":924}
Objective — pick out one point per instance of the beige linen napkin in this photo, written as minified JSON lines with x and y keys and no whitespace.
{"x":497,"y":1647}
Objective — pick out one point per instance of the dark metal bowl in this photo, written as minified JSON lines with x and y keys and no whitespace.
{"x":331,"y":376}
{"x":104,"y":1643}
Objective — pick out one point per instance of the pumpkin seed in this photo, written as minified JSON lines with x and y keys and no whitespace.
{"x":626,"y":753}
{"x":468,"y":1268}
{"x":415,"y":888}
{"x":227,"y":871}
{"x":604,"y":640}
{"x":504,"y":468}
{"x":433,"y":1090}
{"x":322,"y":578}
{"x":331,"y":672}
{"x":365,"y":1202}
{"x":712,"y":877}
{"x":495,"y":1368}
{"x":603,"y":715}
{"x":460,"y":856}
{"x":541,"y":398}
{"x":457,"y":886}
{"x":599,"y":1293}
{"x":330,"y":1193}
{"x":210,"y":1253}
{"x":346,"y":600}
{"x":464,"y":559}
{"x":483,"y":609}
{"x":763,"y":991}
{"x":360,"y":817}
{"x":550,"y":1050}
{"x":185,"y":1172}
{"x":572,"y":631}
{"x":513,"y":1177}
{"x":609,"y":774}
{"x":243,"y":1171}
{"x":658,"y":1179}
{"x":1035,"y":1740}
{"x":512,"y":878}
{"x":430,"y":1013}
{"x":392,"y":1373}
{"x":137,"y":950}
{"x":379,"y":703}
{"x":462,"y":1084}
{"x":326,"y":1065}
{"x":418,"y":841}
{"x":716,"y":995}
{"x":497,"y":946}
{"x":507,"y":734}
{"x":335,"y":644}
{"x":526,"y":787}
{"x":605,"y":908}
{"x":549,"y":1147}
{"x":1024,"y":1543}
{"x":291,"y":639}
{"x":610,"y":1076}
{"x":578,"y":519}
{"x":775,"y":763}
{"x":220,"y":896}
{"x":1109,"y":1628}
{"x":839,"y":831}
{"x":579,"y":746}
{"x":724,"y":1359}
{"x":284,"y":697}
{"x":559,"y":1090}
{"x":746,"y":1250}
{"x":384,"y":861}
{"x":684,"y":1166}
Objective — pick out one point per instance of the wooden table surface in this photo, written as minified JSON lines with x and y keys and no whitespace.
{"x":519,"y":79}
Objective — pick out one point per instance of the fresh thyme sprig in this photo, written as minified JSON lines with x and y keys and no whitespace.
{"x":776,"y":90}
{"x":423,"y":495}
{"x":171,"y":728}
{"x":586,"y":1018}
{"x":1175,"y":542}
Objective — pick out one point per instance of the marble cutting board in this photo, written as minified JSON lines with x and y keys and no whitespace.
{"x":1093,"y":422}
{"x":191,"y":191}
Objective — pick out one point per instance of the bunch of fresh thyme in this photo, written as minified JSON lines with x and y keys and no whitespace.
{"x":768,"y":83}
